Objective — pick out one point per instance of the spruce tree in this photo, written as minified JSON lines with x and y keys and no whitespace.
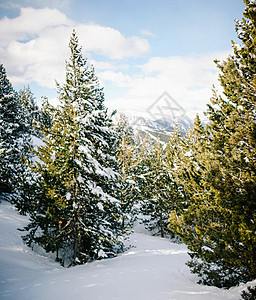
{"x":11,"y":130}
{"x":157,"y":189}
{"x":77,"y":172}
{"x":23,"y":189}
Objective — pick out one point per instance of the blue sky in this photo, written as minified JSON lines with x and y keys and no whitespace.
{"x":140,"y":49}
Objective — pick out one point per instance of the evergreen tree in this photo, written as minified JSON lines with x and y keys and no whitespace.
{"x":24,"y":198}
{"x":77,"y":172}
{"x":129,"y":191}
{"x":11,"y":130}
{"x":178,"y":153}
{"x":218,"y":223}
{"x":155,"y":187}
{"x":250,"y":294}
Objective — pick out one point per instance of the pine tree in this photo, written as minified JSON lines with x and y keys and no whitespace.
{"x":11,"y":130}
{"x":186,"y":162}
{"x":77,"y":171}
{"x":233,"y":128}
{"x":23,"y":189}
{"x":129,"y":191}
{"x":155,"y":187}
{"x":197,"y":218}
{"x":218,"y":223}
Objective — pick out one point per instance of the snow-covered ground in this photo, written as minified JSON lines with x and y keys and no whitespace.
{"x":154,"y":268}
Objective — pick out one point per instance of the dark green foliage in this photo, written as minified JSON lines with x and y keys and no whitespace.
{"x":129,"y":191}
{"x":250,"y":294}
{"x":23,"y":189}
{"x":11,"y":131}
{"x":156,"y":187}
{"x":216,"y":167}
{"x":18,"y":113}
{"x":76,"y":182}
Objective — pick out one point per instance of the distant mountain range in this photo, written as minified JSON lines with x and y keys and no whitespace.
{"x":160,"y":128}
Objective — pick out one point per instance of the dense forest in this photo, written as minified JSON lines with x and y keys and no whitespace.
{"x":84,"y":178}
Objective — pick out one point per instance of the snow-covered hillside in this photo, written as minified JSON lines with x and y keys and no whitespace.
{"x":153,"y":269}
{"x":158,"y":128}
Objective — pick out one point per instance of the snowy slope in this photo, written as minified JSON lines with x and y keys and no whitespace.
{"x":158,"y":128}
{"x":153,"y":269}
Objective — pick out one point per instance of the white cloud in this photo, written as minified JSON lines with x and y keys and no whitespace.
{"x":188,"y":80}
{"x":34,"y":45}
{"x":41,"y":59}
{"x":110,"y":42}
{"x":30,"y":24}
{"x":117,"y":77}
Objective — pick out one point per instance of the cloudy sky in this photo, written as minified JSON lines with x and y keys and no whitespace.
{"x":140,"y":49}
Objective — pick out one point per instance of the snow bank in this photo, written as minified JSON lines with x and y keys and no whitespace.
{"x":152,"y":269}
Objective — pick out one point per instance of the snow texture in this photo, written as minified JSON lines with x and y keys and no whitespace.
{"x":252,"y":2}
{"x":152,"y":269}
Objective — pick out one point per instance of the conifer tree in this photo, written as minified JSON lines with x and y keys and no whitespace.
{"x":24,"y":198}
{"x":177,"y":151}
{"x":129,"y":191}
{"x":218,"y":223}
{"x":155,"y":187}
{"x":11,"y":130}
{"x":77,"y":172}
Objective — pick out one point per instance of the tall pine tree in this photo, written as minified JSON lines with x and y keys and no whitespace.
{"x":78,"y":214}
{"x":11,"y":132}
{"x":218,"y":222}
